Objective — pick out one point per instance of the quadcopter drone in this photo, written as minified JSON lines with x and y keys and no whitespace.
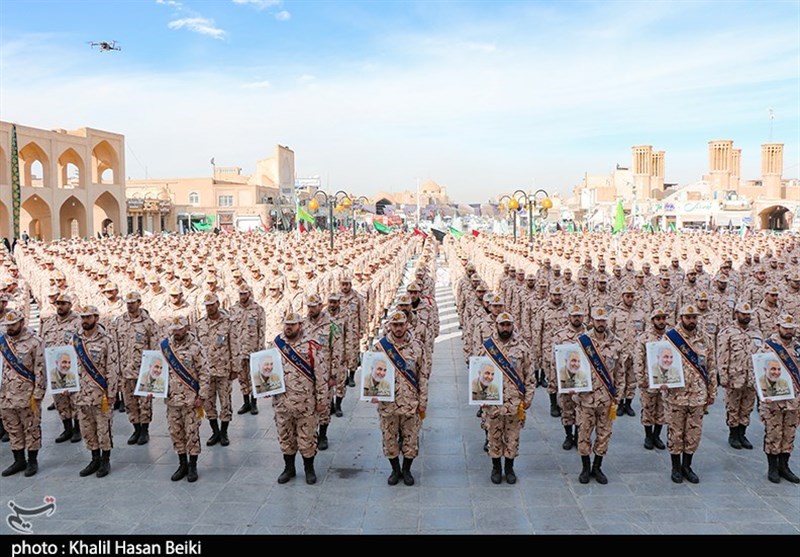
{"x":105,"y":46}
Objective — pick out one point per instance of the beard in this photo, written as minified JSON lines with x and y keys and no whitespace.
{"x":505,"y":335}
{"x":87,"y":326}
{"x":690,"y":326}
{"x":744,"y":322}
{"x":787,"y":337}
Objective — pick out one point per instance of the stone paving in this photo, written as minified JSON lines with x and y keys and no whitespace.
{"x":237,"y":491}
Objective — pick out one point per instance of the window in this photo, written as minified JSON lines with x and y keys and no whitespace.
{"x":194,"y":198}
{"x":225,"y":201}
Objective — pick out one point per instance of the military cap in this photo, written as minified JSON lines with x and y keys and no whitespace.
{"x":12,"y":316}
{"x":86,"y":311}
{"x":482,"y":287}
{"x":293,"y":276}
{"x":404,"y":300}
{"x":334,"y":296}
{"x":772,"y":289}
{"x":639,"y":274}
{"x":414,"y":287}
{"x":244,"y":287}
{"x":504,"y":317}
{"x":787,"y":321}
{"x":133,"y":297}
{"x":470,"y":267}
{"x":721,"y":278}
{"x":599,"y":313}
{"x":236,"y":273}
{"x":292,"y":318}
{"x":627,"y":288}
{"x":658,"y":312}
{"x":313,"y":300}
{"x":398,"y":317}
{"x":495,"y":300}
{"x":602,"y":278}
{"x":556,"y":290}
{"x":744,"y":307}
{"x":506,"y":265}
{"x":58,"y":275}
{"x":4,"y":297}
{"x":64,"y":297}
{"x":575,"y":309}
{"x":689,"y":309}
{"x":186,"y":275}
{"x":475,"y":277}
{"x":178,"y":322}
{"x":488,"y":297}
{"x":346,"y":278}
{"x":110,"y":286}
{"x":210,"y":279}
{"x":530,"y":276}
{"x":210,"y":298}
{"x":419,"y":271}
{"x":175,"y":289}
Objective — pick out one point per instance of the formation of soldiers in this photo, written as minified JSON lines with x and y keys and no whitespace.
{"x":721,"y":299}
{"x":206,"y":303}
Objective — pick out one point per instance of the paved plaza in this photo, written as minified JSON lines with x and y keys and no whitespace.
{"x":237,"y":492}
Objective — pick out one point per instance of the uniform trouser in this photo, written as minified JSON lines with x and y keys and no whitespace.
{"x":184,"y":429}
{"x":220,"y":387}
{"x":630,"y":380}
{"x":341,"y":381}
{"x":685,"y":427}
{"x":738,"y":405}
{"x":325,"y":417}
{"x":597,"y":419}
{"x":653,"y":410}
{"x":780,"y":427}
{"x":352,"y":350}
{"x":405,"y":426}
{"x":568,"y":413}
{"x":65,"y":404}
{"x":244,"y":378}
{"x":297,"y":432}
{"x":549,"y":371}
{"x":503,"y":431}
{"x":138,"y":408}
{"x":24,"y":427}
{"x":96,"y":427}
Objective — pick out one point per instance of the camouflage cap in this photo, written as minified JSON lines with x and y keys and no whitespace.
{"x":496,"y":299}
{"x":470,"y":267}
{"x":293,"y":276}
{"x":12,"y":316}
{"x":245,"y":288}
{"x":133,"y":297}
{"x":175,"y":289}
{"x":404,"y":300}
{"x":602,"y":278}
{"x":482,"y":287}
{"x":292,"y":318}
{"x":599,"y":313}
{"x":110,"y":287}
{"x":787,"y":321}
{"x":419,"y":271}
{"x":414,"y":287}
{"x":530,"y":276}
{"x":702,"y":297}
{"x":575,"y":309}
{"x":721,"y":278}
{"x":65,"y":297}
{"x":506,"y":265}
{"x":398,"y":317}
{"x":346,"y":278}
{"x":210,"y":298}
{"x":504,"y":317}
{"x":178,"y":322}
{"x":211,"y":279}
{"x":772,"y":289}
{"x":86,"y":311}
{"x":689,"y":309}
{"x":744,"y":307}
{"x":236,"y":273}
{"x":313,"y":300}
{"x":557,"y":290}
{"x":334,"y":296}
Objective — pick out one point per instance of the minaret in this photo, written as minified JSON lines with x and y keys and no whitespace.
{"x":642,"y":170}
{"x":720,"y":155}
{"x":772,"y":169}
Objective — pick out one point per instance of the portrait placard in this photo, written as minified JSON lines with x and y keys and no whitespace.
{"x":573,"y":370}
{"x":377,"y":377}
{"x":153,"y":377}
{"x":61,"y":364}
{"x":773,"y":381}
{"x":664,"y":365}
{"x":266,"y":373}
{"x":485,"y":382}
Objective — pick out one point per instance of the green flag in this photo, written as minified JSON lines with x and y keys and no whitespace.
{"x":673,"y":228}
{"x":302,"y":214}
{"x":619,"y":218}
{"x":382,"y":228}
{"x":570,"y":227}
{"x":456,"y":232}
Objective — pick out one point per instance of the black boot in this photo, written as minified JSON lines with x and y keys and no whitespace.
{"x":308,"y":467}
{"x":105,"y":464}
{"x":686,"y":469}
{"x":497,"y":471}
{"x":134,"y":438}
{"x":33,"y":464}
{"x":677,"y":475}
{"x":289,"y":471}
{"x":253,"y":407}
{"x":479,"y":413}
{"x":223,"y":435}
{"x":648,"y":438}
{"x":246,"y":406}
{"x":66,"y":435}
{"x":121,"y":408}
{"x":744,"y":441}
{"x":569,"y":440}
{"x":322,"y":437}
{"x":93,"y":466}
{"x":183,"y":469}
{"x":51,"y":407}
{"x":555,"y":411}
{"x":144,"y":434}
{"x":332,"y":409}
{"x":733,"y":438}
{"x":621,"y":409}
{"x":394,"y":477}
{"x":117,"y":402}
{"x":351,"y":381}
{"x":3,"y":433}
{"x":408,"y":479}
{"x":214,"y":439}
{"x":191,"y":472}
{"x":19,"y":464}
{"x":772,"y":472}
{"x":511,"y":477}
{"x":76,"y":431}
{"x":784,"y":470}
{"x":628,"y":410}
{"x":337,"y":406}
{"x":583,"y":477}
{"x":486,"y":442}
{"x":659,"y":444}
{"x":597,"y":472}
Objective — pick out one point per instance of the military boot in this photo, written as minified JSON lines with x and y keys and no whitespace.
{"x":93,"y":466}
{"x":628,"y":410}
{"x":76,"y":431}
{"x":308,"y":468}
{"x":134,"y":438}
{"x":214,"y":439}
{"x":223,"y":435}
{"x":191,"y":472}
{"x":555,"y":411}
{"x":33,"y":464}
{"x":245,"y":408}
{"x":733,"y":438}
{"x":772,"y":471}
{"x":19,"y":464}
{"x":322,"y":437}
{"x":677,"y":475}
{"x":3,"y":433}
{"x":583,"y":477}
{"x":659,"y":444}
{"x":144,"y":434}
{"x":351,"y":381}
{"x":253,"y":407}
{"x":337,"y":406}
{"x":289,"y":470}
{"x":686,"y":469}
{"x":648,"y":438}
{"x":497,"y":471}
{"x":66,"y":435}
{"x":105,"y":464}
{"x":784,"y":470}
{"x":408,"y":479}
{"x":394,"y":477}
{"x":597,"y":472}
{"x":569,"y":439}
{"x":744,"y":441}
{"x":511,"y":477}
{"x":182,"y":470}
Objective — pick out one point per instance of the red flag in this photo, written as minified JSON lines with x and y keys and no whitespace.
{"x":475,"y":233}
{"x":302,"y":228}
{"x":419,"y":232}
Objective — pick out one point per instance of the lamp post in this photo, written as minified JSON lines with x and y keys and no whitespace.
{"x":360,"y":200}
{"x":340,"y":199}
{"x":542,"y":203}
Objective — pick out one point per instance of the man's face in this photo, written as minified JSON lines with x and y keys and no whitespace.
{"x":583,"y":281}
{"x":773,"y":370}
{"x":379,"y":371}
{"x":176,"y":298}
{"x":576,"y":320}
{"x":743,"y":319}
{"x":156,"y":368}
{"x":600,"y":325}
{"x":627,"y":299}
{"x":180,"y":334}
{"x":333,"y":306}
{"x":414,"y":295}
{"x":721,"y":286}
{"x":601,"y":286}
{"x":556,"y":299}
{"x":786,"y":334}
{"x":689,"y":322}
{"x":505,"y":330}
{"x":398,"y":330}
{"x":771,"y":298}
{"x":267,"y":366}
{"x":212,"y":309}
{"x":88,"y":322}
{"x":64,"y":363}
{"x":574,"y":363}
{"x":291,"y":330}
{"x":761,"y":275}
{"x":665,"y":359}
{"x":691,"y":277}
{"x":15,"y":328}
{"x":314,"y":311}
{"x":487,"y":376}
{"x":187,"y":281}
{"x":346,"y":287}
{"x":63,"y":308}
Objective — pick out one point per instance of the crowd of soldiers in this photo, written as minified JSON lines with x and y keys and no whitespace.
{"x":721,"y":298}
{"x":206,"y":302}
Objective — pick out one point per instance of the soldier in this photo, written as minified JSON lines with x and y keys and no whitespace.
{"x":596,"y":409}
{"x":57,"y":330}
{"x":215,"y":331}
{"x":780,"y":416}
{"x":641,"y":293}
{"x":402,"y":418}
{"x":113,"y":305}
{"x":768,"y":311}
{"x":248,"y":322}
{"x":689,"y":290}
{"x":653,"y":415}
{"x":627,"y":322}
{"x":305,"y":400}
{"x":755,"y":287}
{"x":99,"y":368}
{"x":134,"y":332}
{"x":427,"y":317}
{"x":664,"y":296}
{"x":188,"y":390}
{"x":21,"y":392}
{"x":552,"y":317}
{"x":686,"y":405}
{"x":338,"y":369}
{"x":569,"y":334}
{"x":735,"y":346}
{"x":791,"y":297}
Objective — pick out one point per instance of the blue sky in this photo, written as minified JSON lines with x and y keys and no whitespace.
{"x":480,"y":96}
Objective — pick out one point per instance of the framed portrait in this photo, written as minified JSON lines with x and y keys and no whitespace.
{"x":377,"y":377}
{"x":664,"y":365}
{"x":485,"y":382}
{"x":573,"y":371}
{"x":266,"y":373}
{"x":61,"y":365}
{"x":773,"y":381}
{"x":153,"y":375}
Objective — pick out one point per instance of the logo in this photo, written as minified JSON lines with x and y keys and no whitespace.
{"x":16,"y":521}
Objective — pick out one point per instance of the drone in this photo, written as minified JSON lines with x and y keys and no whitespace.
{"x":105,"y":46}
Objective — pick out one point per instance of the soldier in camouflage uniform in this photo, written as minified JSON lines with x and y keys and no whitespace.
{"x":355,"y":306}
{"x":652,"y":400}
{"x":188,"y":390}
{"x":338,"y":367}
{"x":248,"y":326}
{"x":627,"y":322}
{"x":569,"y":334}
{"x":552,"y":317}
{"x":21,"y":392}
{"x":768,"y":311}
{"x":664,"y":296}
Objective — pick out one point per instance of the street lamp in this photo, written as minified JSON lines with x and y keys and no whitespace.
{"x":340,"y":199}
{"x":543,"y":203}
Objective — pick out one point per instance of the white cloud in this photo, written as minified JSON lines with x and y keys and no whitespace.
{"x":259,"y":4}
{"x":306,"y":78}
{"x":257,"y":85}
{"x":283,"y":15}
{"x":173,"y":3}
{"x":201,"y":25}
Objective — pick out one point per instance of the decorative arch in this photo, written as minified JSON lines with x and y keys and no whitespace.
{"x":106,"y":215}
{"x":68,"y":162}
{"x":72,"y":211}
{"x":29,"y":155}
{"x":105,"y":159}
{"x":36,"y":219}
{"x":775,"y":218}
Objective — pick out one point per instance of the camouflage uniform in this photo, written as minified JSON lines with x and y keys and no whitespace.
{"x":667,"y":299}
{"x":96,"y":424}
{"x":550,"y":319}
{"x":248,"y":325}
{"x":20,"y":399}
{"x":735,"y":347}
{"x":780,"y":417}
{"x":627,"y":323}
{"x":134,"y":335}
{"x":338,"y":366}
{"x":183,"y":414}
{"x":653,"y":409}
{"x":216,"y":337}
{"x":355,"y":306}
{"x":566,"y":335}
{"x":327,"y":333}
{"x":58,"y":331}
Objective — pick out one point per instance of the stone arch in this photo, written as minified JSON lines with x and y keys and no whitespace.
{"x":5,"y":222}
{"x":68,"y":160}
{"x":107,"y":219}
{"x":28,"y":156}
{"x":35,"y":218}
{"x":775,"y":218}
{"x":105,"y":158}
{"x":72,"y":210}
